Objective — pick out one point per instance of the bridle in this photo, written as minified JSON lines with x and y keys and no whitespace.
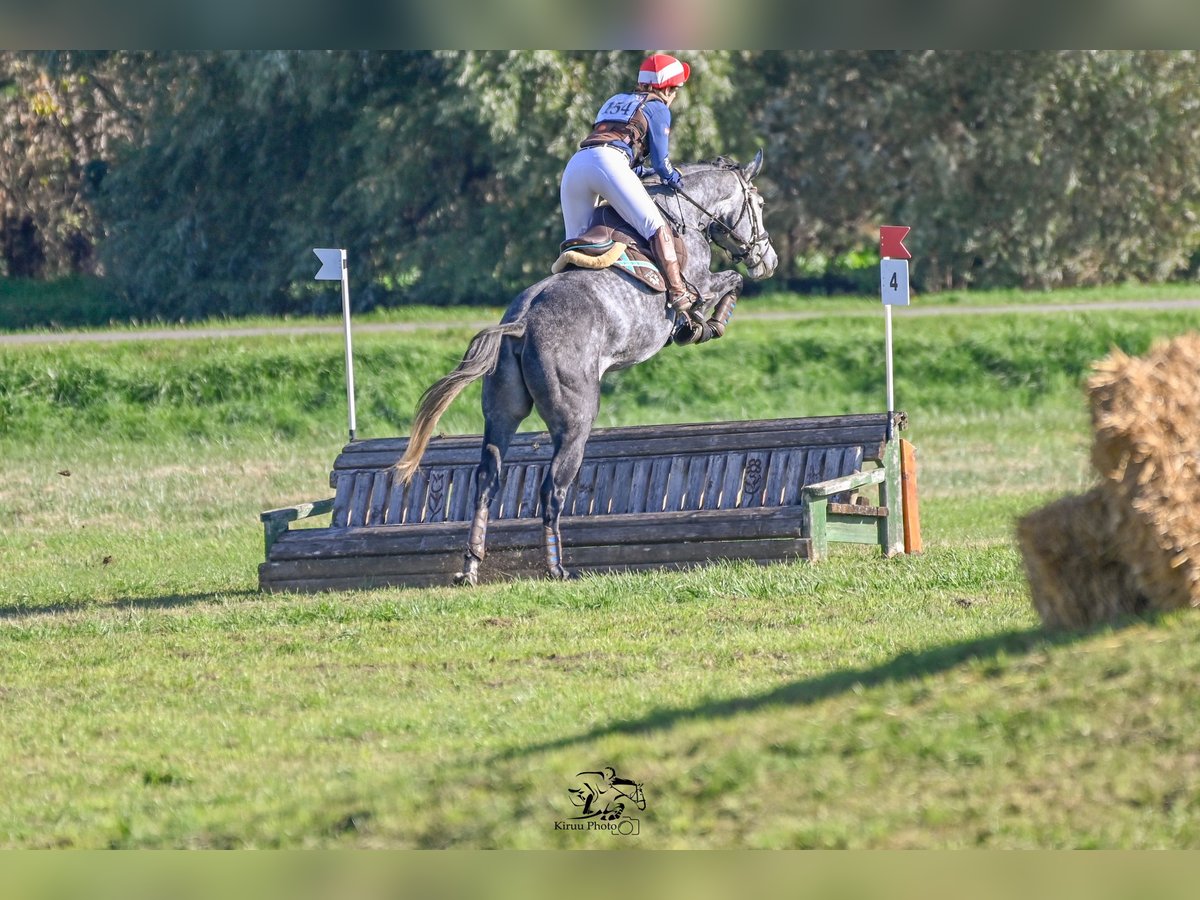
{"x":749,"y":252}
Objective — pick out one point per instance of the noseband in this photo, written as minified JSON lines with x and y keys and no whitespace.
{"x":750,"y":252}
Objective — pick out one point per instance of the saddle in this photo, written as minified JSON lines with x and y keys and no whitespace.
{"x":610,"y":241}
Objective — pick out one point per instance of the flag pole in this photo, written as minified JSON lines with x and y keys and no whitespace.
{"x":349,"y":350}
{"x":333,"y":268}
{"x":887,"y":339}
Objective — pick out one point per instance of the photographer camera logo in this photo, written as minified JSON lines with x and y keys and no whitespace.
{"x":604,"y":800}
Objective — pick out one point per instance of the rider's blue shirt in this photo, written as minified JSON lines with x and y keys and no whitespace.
{"x":658,"y":138}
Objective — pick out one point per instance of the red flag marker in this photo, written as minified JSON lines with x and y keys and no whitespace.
{"x":891,"y":242}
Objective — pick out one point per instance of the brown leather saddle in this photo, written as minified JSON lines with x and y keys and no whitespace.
{"x":611,"y":242}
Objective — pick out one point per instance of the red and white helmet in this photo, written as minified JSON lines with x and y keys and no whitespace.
{"x":663,"y":71}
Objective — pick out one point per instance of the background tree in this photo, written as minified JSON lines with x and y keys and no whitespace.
{"x":203,"y":179}
{"x":61,"y":117}
{"x":1017,"y":168}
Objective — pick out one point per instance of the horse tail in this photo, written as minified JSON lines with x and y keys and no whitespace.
{"x":481,"y":358}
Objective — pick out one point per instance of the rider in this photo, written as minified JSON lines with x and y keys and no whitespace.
{"x":631,"y":130}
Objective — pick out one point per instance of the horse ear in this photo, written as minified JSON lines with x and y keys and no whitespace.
{"x":752,"y":168}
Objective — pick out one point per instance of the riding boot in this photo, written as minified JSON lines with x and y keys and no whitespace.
{"x":680,"y":297}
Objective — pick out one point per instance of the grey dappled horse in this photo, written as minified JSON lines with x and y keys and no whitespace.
{"x":559,"y":337}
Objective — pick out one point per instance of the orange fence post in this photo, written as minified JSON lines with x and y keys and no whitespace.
{"x":908,"y":497}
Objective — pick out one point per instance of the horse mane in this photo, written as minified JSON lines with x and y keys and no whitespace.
{"x":706,"y":165}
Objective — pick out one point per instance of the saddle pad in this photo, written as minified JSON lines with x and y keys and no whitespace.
{"x":583,"y":260}
{"x":624,"y":258}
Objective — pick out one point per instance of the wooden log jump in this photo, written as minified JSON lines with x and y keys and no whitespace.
{"x":647,"y":497}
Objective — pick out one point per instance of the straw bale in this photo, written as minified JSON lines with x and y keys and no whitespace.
{"x":1146,"y":448}
{"x":1076,"y":576}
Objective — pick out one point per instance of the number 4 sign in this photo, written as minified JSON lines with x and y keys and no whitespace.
{"x":893,"y":280}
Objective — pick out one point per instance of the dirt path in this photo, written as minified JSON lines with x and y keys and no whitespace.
{"x":915,"y":311}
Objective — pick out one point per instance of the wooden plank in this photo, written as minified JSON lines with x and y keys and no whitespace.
{"x":656,"y":490}
{"x":498,"y":570}
{"x":643,"y":528}
{"x":414,"y":508}
{"x":664,"y":440}
{"x":818,"y":530}
{"x":793,"y":477}
{"x":361,"y":496}
{"x":462,"y":494}
{"x":622,"y":485}
{"x":857,"y":509}
{"x":845,"y":483}
{"x":286,"y":514}
{"x":775,"y":472}
{"x":664,"y":445}
{"x":845,"y":463}
{"x":381,"y":483}
{"x":697,"y":472}
{"x":435,"y":499}
{"x":531,"y":492}
{"x":585,"y":489}
{"x":394,"y":513}
{"x":619,"y":440}
{"x":891,"y":529}
{"x":638,"y":484}
{"x":344,"y":488}
{"x":852,"y":529}
{"x":712,"y":482}
{"x":731,"y":485}
{"x":602,"y":496}
{"x":449,"y":561}
{"x":754,"y":481}
{"x":677,"y":482}
{"x":814,"y":463}
{"x":908,"y":496}
{"x":508,"y":502}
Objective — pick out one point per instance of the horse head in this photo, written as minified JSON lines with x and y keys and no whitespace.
{"x":735,"y":208}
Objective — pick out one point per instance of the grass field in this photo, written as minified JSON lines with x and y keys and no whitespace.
{"x":152,"y":698}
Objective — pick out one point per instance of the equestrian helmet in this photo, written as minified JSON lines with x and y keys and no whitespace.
{"x":663,"y":71}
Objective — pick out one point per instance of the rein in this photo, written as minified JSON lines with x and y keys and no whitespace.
{"x":744,"y":248}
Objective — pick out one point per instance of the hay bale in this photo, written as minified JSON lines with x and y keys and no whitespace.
{"x":1076,"y":576}
{"x":1146,"y":448}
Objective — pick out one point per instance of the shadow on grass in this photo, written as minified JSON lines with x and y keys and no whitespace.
{"x":904,"y":667}
{"x":167,"y":601}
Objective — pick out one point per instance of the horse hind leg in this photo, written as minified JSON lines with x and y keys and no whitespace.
{"x":568,"y":457}
{"x":506,"y":403}
{"x":487,"y":484}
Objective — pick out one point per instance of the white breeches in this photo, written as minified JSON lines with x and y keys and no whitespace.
{"x":596,"y":172}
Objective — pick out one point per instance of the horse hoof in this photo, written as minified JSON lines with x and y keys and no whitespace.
{"x":466,"y":579}
{"x":557,"y":573}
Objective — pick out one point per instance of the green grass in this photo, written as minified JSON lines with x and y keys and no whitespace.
{"x":152,"y":698}
{"x":89,"y":304}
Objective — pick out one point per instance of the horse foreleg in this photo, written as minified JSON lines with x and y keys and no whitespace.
{"x":487,"y":484}
{"x":727,"y":286}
